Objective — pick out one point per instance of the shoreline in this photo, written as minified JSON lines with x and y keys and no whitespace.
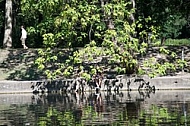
{"x":17,"y":66}
{"x":181,"y":82}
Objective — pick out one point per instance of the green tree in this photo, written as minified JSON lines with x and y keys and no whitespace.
{"x":109,"y":37}
{"x":43,"y":17}
{"x":170,"y":16}
{"x":105,"y":23}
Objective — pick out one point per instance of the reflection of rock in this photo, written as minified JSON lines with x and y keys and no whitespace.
{"x":81,"y":98}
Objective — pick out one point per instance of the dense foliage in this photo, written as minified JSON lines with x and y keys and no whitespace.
{"x":111,"y":40}
{"x":172,"y":17}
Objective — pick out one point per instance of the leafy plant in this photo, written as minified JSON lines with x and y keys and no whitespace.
{"x":112,"y":43}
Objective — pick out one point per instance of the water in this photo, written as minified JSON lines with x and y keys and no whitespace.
{"x":133,"y":108}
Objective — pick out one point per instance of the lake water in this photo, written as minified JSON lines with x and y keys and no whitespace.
{"x":129,"y":108}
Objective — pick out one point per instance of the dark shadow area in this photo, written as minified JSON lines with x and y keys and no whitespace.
{"x":18,"y":64}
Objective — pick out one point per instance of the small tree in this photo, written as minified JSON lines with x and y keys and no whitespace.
{"x":172,"y":26}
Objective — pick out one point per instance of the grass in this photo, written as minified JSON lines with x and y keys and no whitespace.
{"x":177,"y":42}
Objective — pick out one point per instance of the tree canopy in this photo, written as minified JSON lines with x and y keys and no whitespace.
{"x":41,"y":17}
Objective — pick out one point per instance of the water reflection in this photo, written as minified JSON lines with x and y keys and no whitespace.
{"x":96,"y":108}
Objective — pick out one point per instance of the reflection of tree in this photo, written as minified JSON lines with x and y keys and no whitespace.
{"x":125,"y":113}
{"x":54,"y":117}
{"x":159,"y":115}
{"x":94,"y":109}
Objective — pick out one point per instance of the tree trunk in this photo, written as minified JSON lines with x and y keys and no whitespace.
{"x":132,"y":17}
{"x":7,"y":42}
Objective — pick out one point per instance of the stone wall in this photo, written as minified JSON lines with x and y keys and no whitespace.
{"x":122,"y":83}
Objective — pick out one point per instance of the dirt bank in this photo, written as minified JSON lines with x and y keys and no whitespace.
{"x":18,"y":64}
